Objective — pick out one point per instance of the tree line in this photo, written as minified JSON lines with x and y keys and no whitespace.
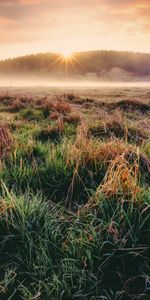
{"x":79,"y":64}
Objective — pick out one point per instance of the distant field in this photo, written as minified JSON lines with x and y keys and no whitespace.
{"x":102,"y":93}
{"x":75,"y":193}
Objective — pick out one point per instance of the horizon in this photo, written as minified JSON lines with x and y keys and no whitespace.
{"x":39,"y":26}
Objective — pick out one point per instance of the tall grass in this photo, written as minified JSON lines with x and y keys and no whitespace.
{"x":5,"y":141}
{"x":74,"y":209}
{"x":49,"y":253}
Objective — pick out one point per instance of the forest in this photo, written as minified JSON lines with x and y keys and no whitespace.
{"x":95,"y":65}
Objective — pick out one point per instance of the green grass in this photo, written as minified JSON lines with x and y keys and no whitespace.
{"x":48,"y":251}
{"x":67,"y":232}
{"x":43,"y":166}
{"x":31,"y":114}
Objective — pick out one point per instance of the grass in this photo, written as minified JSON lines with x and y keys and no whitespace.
{"x":74,"y":199}
{"x":31,"y":114}
{"x":54,"y":254}
{"x":5,"y":142}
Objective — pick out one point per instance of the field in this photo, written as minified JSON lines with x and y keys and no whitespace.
{"x":75,"y":193}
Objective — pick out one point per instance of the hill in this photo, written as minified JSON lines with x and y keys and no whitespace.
{"x":90,"y":65}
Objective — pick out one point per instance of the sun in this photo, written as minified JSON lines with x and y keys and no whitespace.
{"x":67,"y":54}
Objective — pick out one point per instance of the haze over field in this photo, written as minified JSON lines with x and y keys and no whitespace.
{"x":92,"y":68}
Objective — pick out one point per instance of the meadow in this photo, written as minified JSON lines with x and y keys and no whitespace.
{"x":74,"y":193}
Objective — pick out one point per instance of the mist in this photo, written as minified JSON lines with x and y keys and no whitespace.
{"x":87,"y":81}
{"x":91,"y":68}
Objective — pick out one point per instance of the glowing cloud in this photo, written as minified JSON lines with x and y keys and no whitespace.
{"x":28,"y":26}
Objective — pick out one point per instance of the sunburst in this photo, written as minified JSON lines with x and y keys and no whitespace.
{"x":67,"y":55}
{"x":67,"y":60}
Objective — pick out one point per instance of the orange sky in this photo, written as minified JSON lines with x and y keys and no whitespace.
{"x":31,"y":26}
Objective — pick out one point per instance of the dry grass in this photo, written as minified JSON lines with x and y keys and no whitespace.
{"x":57,"y":106}
{"x":52,"y":131}
{"x":109,"y":125}
{"x":121,"y":178}
{"x":82,"y":150}
{"x":86,"y":150}
{"x":17,"y":105}
{"x":99,"y":247}
{"x":73,"y":118}
{"x":6,"y":99}
{"x":129,"y":104}
{"x":62,"y":107}
{"x":70,"y":97}
{"x":121,"y":161}
{"x":135,"y":104}
{"x":54,"y":116}
{"x":6,"y":117}
{"x":115,"y":125}
{"x":5,"y":141}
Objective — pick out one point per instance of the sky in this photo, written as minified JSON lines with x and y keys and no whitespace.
{"x":66,"y":26}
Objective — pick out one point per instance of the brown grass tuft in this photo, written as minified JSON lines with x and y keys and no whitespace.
{"x":86,"y":149}
{"x":16,"y":105}
{"x":54,"y":116}
{"x":73,"y":118}
{"x":121,"y":178}
{"x":5,"y":141}
{"x":57,"y":106}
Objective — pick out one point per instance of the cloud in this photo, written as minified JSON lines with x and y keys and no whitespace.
{"x":93,"y":23}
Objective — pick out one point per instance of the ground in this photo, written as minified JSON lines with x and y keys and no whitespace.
{"x":75,"y":193}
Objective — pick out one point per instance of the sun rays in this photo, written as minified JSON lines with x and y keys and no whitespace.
{"x":66,"y":64}
{"x":66,"y":61}
{"x":67,"y":54}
